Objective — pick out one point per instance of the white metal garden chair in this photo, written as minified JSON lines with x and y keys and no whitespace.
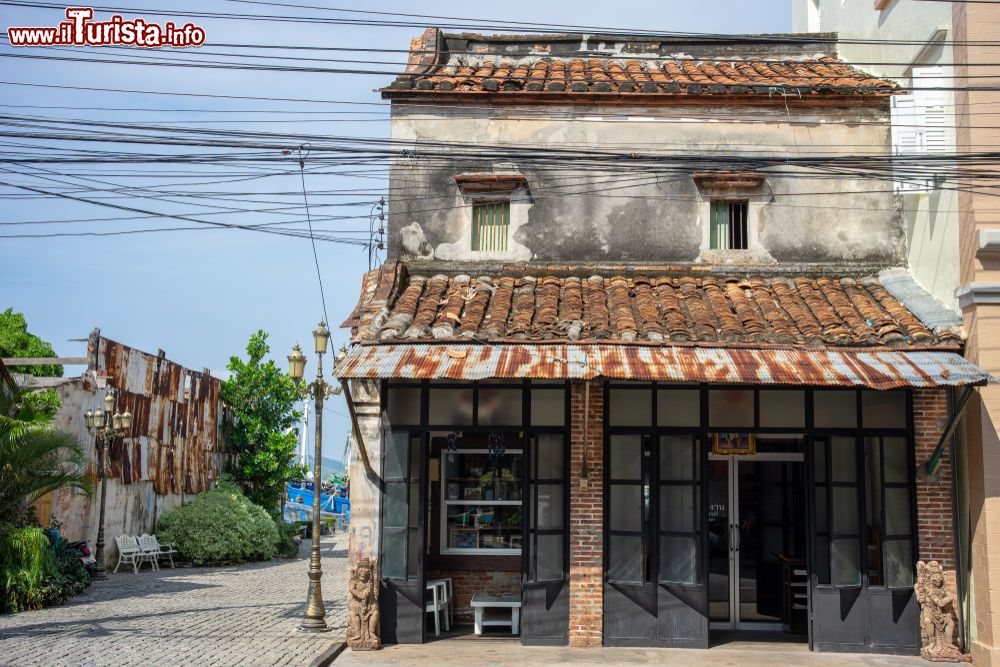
{"x":130,"y":552}
{"x":167,"y":550}
{"x":150,"y":550}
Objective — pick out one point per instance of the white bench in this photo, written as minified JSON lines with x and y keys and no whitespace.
{"x":483,"y":601}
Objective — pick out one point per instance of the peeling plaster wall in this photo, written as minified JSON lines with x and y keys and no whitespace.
{"x":366,"y":505}
{"x":645,"y":217}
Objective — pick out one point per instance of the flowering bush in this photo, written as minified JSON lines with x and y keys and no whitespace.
{"x":221,"y":525}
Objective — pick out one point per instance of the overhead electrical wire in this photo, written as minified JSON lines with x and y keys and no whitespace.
{"x":474,"y":24}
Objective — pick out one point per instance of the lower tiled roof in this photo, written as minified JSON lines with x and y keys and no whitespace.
{"x":678,"y":309}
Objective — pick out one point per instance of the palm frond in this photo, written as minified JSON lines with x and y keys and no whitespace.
{"x":35,"y":459}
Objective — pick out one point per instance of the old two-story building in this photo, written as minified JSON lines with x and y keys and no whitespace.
{"x":645,"y":354}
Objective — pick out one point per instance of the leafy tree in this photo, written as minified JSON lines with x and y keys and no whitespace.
{"x":15,"y":341}
{"x":36,"y":457}
{"x":262,"y":400}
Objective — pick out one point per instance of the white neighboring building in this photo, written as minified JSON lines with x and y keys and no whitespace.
{"x":923,"y":122}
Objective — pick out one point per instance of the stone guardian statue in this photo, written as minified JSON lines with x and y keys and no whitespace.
{"x":362,"y":607}
{"x":937,"y":614}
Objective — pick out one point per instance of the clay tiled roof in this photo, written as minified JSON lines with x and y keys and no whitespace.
{"x":539,"y":66}
{"x":687,"y":309}
{"x":825,"y":75}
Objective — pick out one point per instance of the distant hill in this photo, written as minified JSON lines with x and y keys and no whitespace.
{"x":330,"y":466}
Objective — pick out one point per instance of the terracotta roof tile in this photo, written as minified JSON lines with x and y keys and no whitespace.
{"x":801,"y":311}
{"x":544,"y":73}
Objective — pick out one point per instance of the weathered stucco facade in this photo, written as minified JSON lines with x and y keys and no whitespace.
{"x":645,"y":214}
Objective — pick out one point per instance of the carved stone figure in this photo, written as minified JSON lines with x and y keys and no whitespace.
{"x":937,"y":614}
{"x":362,"y":607}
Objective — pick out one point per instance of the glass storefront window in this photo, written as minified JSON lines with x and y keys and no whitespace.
{"x":625,"y":558}
{"x":548,"y":407}
{"x":550,"y":455}
{"x":835,"y":409}
{"x":781,"y":408}
{"x":845,"y":562}
{"x":678,"y":407}
{"x":626,"y":456}
{"x":630,"y":407}
{"x":678,"y":559}
{"x":500,"y":407}
{"x":482,"y":504}
{"x":404,"y":405}
{"x":883,"y":409}
{"x":730,"y":407}
{"x":451,"y":406}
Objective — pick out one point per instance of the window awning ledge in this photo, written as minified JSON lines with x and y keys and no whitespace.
{"x":875,"y":369}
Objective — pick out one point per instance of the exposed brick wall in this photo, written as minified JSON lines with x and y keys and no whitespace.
{"x":465,"y":584}
{"x":586,"y":595}
{"x":934,"y":497}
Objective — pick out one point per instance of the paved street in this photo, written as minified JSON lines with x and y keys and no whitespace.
{"x":241,"y":615}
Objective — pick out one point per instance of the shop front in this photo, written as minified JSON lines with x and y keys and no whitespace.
{"x":656,"y":462}
{"x":718,"y":508}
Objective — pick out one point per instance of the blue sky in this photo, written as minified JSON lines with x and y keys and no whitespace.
{"x":199,"y":295}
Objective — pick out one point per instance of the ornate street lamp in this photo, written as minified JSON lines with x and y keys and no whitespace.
{"x":319,"y":389}
{"x":105,"y":426}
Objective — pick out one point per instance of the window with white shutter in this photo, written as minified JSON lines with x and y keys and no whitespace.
{"x":922,"y":124}
{"x":930,"y":96}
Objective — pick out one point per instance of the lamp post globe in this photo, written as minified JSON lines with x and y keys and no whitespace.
{"x":296,"y":364}
{"x":321,"y":337}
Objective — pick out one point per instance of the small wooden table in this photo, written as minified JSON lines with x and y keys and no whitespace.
{"x":483,"y":601}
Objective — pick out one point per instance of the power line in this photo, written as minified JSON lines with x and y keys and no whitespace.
{"x":303,"y":151}
{"x":486,"y":24}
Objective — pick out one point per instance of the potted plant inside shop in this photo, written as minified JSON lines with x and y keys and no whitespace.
{"x":490,"y":484}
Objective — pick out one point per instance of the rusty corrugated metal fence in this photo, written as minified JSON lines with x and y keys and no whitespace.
{"x":176,"y":440}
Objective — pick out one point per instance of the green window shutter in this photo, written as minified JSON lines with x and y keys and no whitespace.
{"x":720,"y":225}
{"x":490,"y":226}
{"x":477,"y":223}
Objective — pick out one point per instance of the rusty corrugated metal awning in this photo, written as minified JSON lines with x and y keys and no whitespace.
{"x":877,"y":369}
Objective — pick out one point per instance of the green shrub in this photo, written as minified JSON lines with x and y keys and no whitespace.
{"x":221,"y":525}
{"x":37,"y":569}
{"x":287,"y":546}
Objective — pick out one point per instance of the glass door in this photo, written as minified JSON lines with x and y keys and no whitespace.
{"x":720,"y":542}
{"x":757,"y":545}
{"x":545,"y":591}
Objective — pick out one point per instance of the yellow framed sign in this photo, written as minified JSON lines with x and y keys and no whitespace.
{"x":744,"y":444}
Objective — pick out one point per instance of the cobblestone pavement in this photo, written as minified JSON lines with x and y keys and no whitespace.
{"x":240,"y":615}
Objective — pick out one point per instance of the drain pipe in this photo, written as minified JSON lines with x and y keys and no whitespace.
{"x":585,"y":463}
{"x":963,"y":631}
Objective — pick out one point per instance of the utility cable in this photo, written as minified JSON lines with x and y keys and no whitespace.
{"x":303,"y":151}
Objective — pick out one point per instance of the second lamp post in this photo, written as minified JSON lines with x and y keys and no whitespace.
{"x":105,"y":426}
{"x":319,"y":389}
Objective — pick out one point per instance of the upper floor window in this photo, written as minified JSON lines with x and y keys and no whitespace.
{"x":729,"y":225}
{"x":490,"y":226}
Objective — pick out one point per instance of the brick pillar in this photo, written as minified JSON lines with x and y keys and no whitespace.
{"x":935,"y":525}
{"x":586,"y":518}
